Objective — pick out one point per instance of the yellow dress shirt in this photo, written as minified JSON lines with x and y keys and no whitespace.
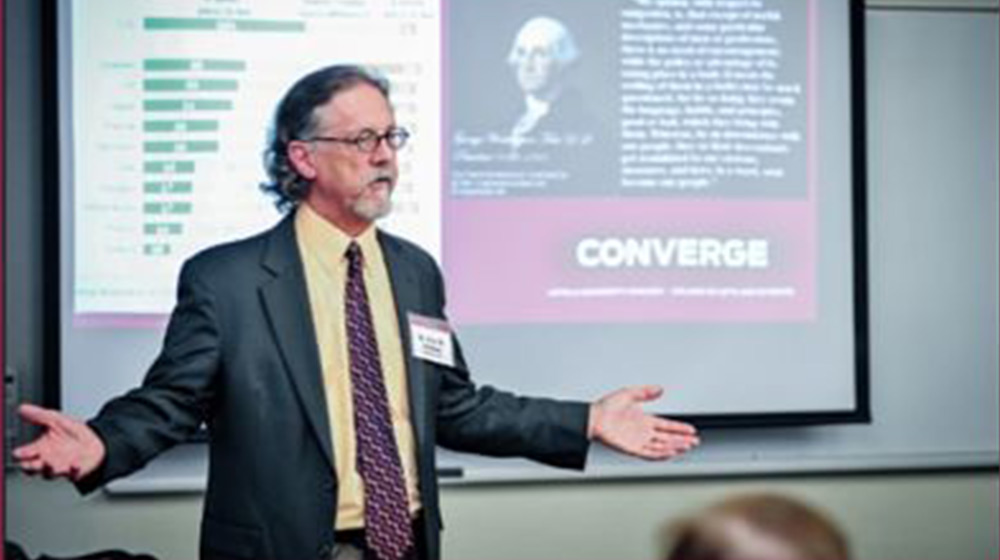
{"x":322,"y":247}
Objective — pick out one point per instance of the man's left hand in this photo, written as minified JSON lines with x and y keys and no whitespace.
{"x":618,"y":421}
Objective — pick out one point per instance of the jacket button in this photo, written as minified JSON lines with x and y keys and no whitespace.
{"x":324,"y":551}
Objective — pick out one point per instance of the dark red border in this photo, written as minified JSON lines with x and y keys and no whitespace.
{"x":3,"y":362}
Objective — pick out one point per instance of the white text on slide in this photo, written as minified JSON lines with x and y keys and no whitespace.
{"x":666,"y":252}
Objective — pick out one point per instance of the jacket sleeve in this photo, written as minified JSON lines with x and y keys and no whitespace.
{"x":173,"y":399}
{"x":489,"y":421}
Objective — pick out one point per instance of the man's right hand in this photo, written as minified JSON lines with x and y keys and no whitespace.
{"x":67,"y":448}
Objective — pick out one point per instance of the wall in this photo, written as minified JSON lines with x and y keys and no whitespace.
{"x":916,"y":515}
{"x":889,"y":515}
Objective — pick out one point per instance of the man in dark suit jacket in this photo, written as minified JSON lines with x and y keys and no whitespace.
{"x":245,"y":354}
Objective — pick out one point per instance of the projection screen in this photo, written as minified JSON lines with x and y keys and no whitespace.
{"x":619,"y":192}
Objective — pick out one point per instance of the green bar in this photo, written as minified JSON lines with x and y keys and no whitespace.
{"x":167,"y":187}
{"x":163,"y":104}
{"x":162,"y":228}
{"x":179,"y":24}
{"x":156,"y":249}
{"x":178,"y":208}
{"x":268,"y":25}
{"x":212,"y":104}
{"x":160,"y":147}
{"x":161,"y":84}
{"x":181,"y":126}
{"x":224,"y":65}
{"x":160,"y":126}
{"x":211,"y":24}
{"x":160,"y":64}
{"x":169,"y":167}
{"x":166,"y":85}
{"x":167,"y":207}
{"x":180,"y":64}
{"x":190,"y":146}
{"x":202,"y":146}
{"x":217,"y":85}
{"x":187,"y":105}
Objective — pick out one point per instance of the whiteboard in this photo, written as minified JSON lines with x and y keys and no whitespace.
{"x":932,"y":103}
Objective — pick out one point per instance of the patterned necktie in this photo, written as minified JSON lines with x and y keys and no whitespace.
{"x":388,"y":531}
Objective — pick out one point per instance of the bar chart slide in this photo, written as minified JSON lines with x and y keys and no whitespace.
{"x":171,"y":103}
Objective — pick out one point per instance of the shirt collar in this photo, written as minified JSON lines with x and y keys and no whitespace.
{"x":328,"y":243}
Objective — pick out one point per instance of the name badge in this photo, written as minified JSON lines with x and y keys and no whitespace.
{"x":431,"y":340}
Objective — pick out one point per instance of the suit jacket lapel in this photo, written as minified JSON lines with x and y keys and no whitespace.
{"x":286,"y":303}
{"x":406,"y":293}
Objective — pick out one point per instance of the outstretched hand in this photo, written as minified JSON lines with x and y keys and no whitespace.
{"x":67,"y":447}
{"x":618,"y":421}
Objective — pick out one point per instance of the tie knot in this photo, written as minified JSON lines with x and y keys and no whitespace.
{"x":353,"y":254}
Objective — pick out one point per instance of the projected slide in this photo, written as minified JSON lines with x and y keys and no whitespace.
{"x":631,"y":161}
{"x":171,"y":104}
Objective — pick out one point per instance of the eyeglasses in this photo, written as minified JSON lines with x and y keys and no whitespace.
{"x":367,"y":141}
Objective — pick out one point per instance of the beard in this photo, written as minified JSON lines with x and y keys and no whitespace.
{"x":371,"y":209}
{"x":377,"y":202}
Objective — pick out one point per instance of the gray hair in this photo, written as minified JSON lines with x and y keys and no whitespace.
{"x":550,"y":32}
{"x":295,"y":119}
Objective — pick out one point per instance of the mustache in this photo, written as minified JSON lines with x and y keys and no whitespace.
{"x":382,"y":175}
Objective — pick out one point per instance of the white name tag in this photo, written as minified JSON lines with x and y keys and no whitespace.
{"x":431,"y":340}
